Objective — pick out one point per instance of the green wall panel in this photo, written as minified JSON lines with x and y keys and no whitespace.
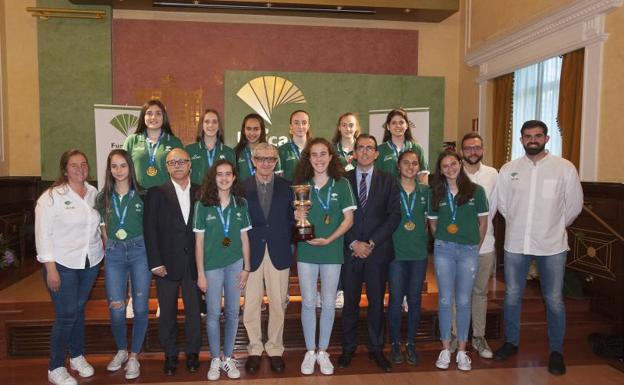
{"x":74,"y":74}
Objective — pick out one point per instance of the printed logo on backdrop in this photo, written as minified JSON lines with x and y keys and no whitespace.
{"x":264,"y":94}
{"x":113,"y":124}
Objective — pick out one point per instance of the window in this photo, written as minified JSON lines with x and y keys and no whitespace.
{"x":536,"y":96}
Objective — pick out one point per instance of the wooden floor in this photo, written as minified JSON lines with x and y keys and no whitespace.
{"x":528,"y":367}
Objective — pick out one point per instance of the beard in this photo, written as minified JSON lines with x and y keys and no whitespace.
{"x":470,"y":161}
{"x":534,"y":150}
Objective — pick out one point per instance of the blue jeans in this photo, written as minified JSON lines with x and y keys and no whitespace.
{"x":405,"y":279}
{"x":223,"y":280}
{"x":127,"y":259}
{"x":308,"y":276}
{"x":551,"y":272}
{"x":69,"y":304}
{"x":456,"y":267}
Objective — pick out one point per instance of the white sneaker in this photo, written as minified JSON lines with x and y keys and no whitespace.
{"x":463,"y":361}
{"x":129,"y":309}
{"x":120,"y":358}
{"x":82,"y":366}
{"x":444,"y":359}
{"x":339,"y":299}
{"x":307,"y":366}
{"x":229,"y":367}
{"x":59,"y":376}
{"x":132,"y":369}
{"x":215,"y":369}
{"x":322,"y":357}
{"x":480,"y":345}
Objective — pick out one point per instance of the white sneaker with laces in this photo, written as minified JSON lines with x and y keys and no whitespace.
{"x":120,"y":358}
{"x":444,"y":359}
{"x":60,"y":376}
{"x":463,"y":361}
{"x":322,"y":358}
{"x":132,"y":369}
{"x":229,"y":366}
{"x":82,"y":366}
{"x":215,"y":369}
{"x":307,"y":366}
{"x":481,"y":346}
{"x":339,"y":299}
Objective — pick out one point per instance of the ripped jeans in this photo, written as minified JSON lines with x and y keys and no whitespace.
{"x":127,"y":260}
{"x":455,"y":268}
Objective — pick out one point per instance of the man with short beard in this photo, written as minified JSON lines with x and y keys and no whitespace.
{"x":539,"y":195}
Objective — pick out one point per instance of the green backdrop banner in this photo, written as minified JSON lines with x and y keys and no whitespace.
{"x":325,"y":96}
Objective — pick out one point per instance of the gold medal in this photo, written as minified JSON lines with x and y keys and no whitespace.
{"x":226,"y":242}
{"x":409,"y":226}
{"x":452,"y":228}
{"x":121,"y":234}
{"x":327,"y":219}
{"x":151,"y":171}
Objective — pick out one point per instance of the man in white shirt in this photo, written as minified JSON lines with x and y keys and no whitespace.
{"x":170,"y":246}
{"x":472,"y":153}
{"x":539,"y":195}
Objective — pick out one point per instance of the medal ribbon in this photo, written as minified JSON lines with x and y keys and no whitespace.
{"x":210,"y":154}
{"x":226,"y":221}
{"x":394,"y":148}
{"x":152,"y":154}
{"x":404,"y":200}
{"x":252,"y":170}
{"x":342,"y":152}
{"x":295,"y":149}
{"x":451,"y":202}
{"x":122,"y":216}
{"x":325,"y":205}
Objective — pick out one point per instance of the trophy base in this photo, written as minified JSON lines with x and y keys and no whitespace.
{"x":303,"y":233}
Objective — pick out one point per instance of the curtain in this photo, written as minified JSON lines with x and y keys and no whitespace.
{"x":536,"y":96}
{"x":501,"y":120}
{"x":571,"y":105}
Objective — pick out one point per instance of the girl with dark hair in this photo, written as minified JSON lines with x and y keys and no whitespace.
{"x":209,"y":146}
{"x":407,"y":270}
{"x":220,"y":224}
{"x":398,"y":138}
{"x":121,"y":207}
{"x":458,"y":216}
{"x":252,"y":132}
{"x":290,"y":152}
{"x":69,"y":245}
{"x":331,"y":214}
{"x":347,"y":131}
{"x":149,"y":145}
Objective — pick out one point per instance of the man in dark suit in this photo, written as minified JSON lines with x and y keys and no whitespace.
{"x":269,"y":200}
{"x":170,"y":246}
{"x":369,"y":250}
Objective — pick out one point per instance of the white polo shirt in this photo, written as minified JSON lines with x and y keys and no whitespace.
{"x":67,"y":228}
{"x":538,"y":202}
{"x":486,"y":177}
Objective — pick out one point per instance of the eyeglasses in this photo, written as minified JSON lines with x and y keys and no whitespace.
{"x":265,"y":159}
{"x":365,"y":148}
{"x":177,"y":162}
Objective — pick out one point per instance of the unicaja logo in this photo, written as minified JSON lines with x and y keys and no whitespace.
{"x":265,"y":93}
{"x":125,"y":123}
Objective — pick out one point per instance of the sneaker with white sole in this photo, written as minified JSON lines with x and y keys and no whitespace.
{"x":60,"y":376}
{"x":117,"y":362}
{"x":444,"y":359}
{"x":322,"y":358}
{"x":339,"y":299}
{"x":82,"y":366}
{"x":463,"y":361}
{"x":307,"y":366}
{"x":215,"y":369}
{"x":132,"y":368}
{"x":480,"y":345}
{"x":229,"y":367}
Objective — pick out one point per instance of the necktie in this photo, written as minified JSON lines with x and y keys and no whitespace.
{"x":362,"y":192}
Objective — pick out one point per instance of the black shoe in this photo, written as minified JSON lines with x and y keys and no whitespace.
{"x":555,"y":364}
{"x":192,"y":362}
{"x":395,"y":354}
{"x":412,"y":357}
{"x":381,"y":361}
{"x":345,"y":359}
{"x":252,"y":364}
{"x":277,"y":364}
{"x":170,"y":366}
{"x":504,"y":352}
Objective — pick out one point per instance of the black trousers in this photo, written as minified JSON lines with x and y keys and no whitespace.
{"x":167,"y":323}
{"x":356,"y":272}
